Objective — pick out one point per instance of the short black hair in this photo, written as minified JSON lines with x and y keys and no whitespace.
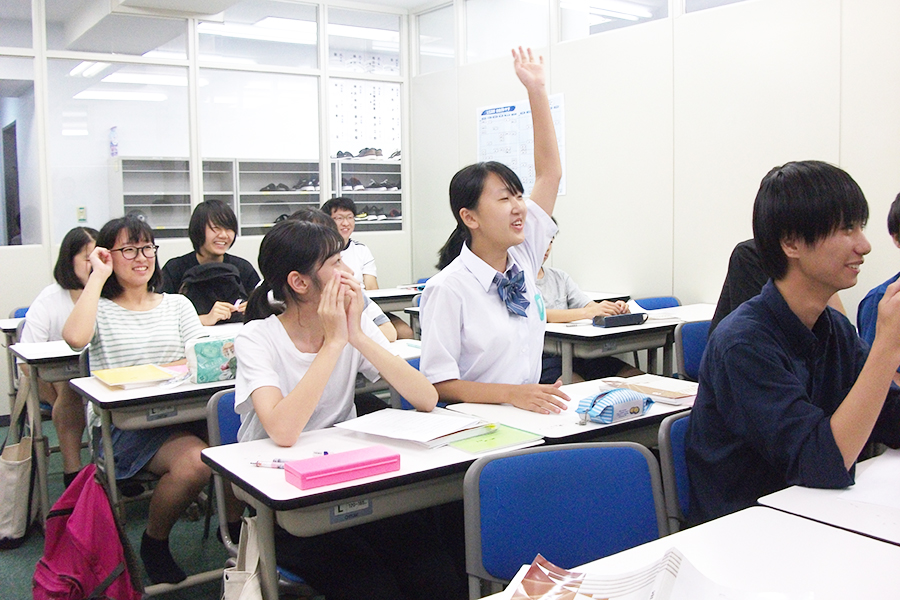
{"x":894,"y":218}
{"x":138,"y":231}
{"x":806,"y":200}
{"x":214,"y":212}
{"x":72,"y":244}
{"x":339,"y":203}
{"x":313,"y":215}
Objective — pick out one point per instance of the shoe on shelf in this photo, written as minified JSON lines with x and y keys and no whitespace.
{"x":282,"y":187}
{"x":368,"y":153}
{"x":392,"y":187}
{"x":396,"y":155}
{"x":378,"y":152}
{"x":357,"y":184}
{"x":308,"y":186}
{"x":377,"y":186}
{"x":394,"y":213}
{"x":346,"y":186}
{"x":361,"y":215}
{"x":342,"y":154}
{"x":269,"y":188}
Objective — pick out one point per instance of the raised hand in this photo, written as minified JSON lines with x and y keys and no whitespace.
{"x":529,"y":71}
{"x":101,"y":262}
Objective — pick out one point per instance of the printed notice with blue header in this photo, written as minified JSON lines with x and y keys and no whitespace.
{"x":506,"y":135}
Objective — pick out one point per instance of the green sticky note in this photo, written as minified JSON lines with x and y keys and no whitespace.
{"x":501,"y":437}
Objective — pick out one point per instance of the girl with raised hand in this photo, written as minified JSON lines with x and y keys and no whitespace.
{"x":297,"y":372}
{"x":482,"y":315}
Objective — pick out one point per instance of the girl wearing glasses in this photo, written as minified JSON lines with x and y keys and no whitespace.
{"x":127,"y":323}
{"x":44,"y":323}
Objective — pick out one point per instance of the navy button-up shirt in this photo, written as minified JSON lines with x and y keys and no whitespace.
{"x":768,"y":388}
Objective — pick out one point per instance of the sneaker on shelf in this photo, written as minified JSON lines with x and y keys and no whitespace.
{"x":282,"y":187}
{"x":315,"y":183}
{"x":346,"y":186}
{"x":269,"y":188}
{"x":308,"y":186}
{"x":362,"y":214}
{"x":394,"y":214}
{"x":357,"y":184}
{"x":366,"y":152}
{"x":378,"y":153}
{"x":396,"y":155}
{"x":377,"y":186}
{"x":342,"y":154}
{"x":299,"y":184}
{"x":392,"y":187}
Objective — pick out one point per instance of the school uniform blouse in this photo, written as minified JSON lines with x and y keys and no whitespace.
{"x":47,"y":315}
{"x":467,"y":332}
{"x":358,"y":257}
{"x":266,"y":356}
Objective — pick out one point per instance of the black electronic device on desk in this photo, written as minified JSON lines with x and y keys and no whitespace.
{"x":620,"y":320}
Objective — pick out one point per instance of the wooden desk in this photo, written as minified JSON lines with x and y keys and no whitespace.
{"x":427,"y":477}
{"x":871,"y":507}
{"x":565,"y":427}
{"x":391,"y":299}
{"x":764,"y":550}
{"x":10,"y":329}
{"x":50,"y":361}
{"x":143,"y":408}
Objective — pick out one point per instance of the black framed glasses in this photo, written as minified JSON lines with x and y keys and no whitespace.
{"x":130,"y":252}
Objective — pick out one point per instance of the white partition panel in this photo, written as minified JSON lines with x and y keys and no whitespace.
{"x":757,"y":84}
{"x":616,"y":217}
{"x":870,"y":127}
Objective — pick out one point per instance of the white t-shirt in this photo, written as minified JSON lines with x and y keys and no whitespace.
{"x":124,"y":338}
{"x":358,"y":257}
{"x":266,"y":356}
{"x":47,"y":315}
{"x":467,"y":332}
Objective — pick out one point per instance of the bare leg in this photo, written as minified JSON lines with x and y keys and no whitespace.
{"x":68,"y":418}
{"x":404,"y":331}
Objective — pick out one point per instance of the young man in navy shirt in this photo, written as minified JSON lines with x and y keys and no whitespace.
{"x":789,"y":394}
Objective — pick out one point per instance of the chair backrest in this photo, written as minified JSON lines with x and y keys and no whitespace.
{"x":607,"y":497}
{"x":404,"y":403}
{"x":221,"y":420}
{"x":690,"y":342}
{"x":656,"y":302}
{"x":673,"y":464}
{"x":18,"y":313}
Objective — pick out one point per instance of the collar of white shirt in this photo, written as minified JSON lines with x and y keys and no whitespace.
{"x":483,"y":272}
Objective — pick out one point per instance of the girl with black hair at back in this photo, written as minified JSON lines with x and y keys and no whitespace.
{"x":297,"y":370}
{"x":482,"y":316}
{"x":212,"y":231}
{"x":44,"y":323}
{"x":127,"y":323}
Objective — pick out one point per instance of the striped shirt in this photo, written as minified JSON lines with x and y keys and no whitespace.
{"x":124,"y":338}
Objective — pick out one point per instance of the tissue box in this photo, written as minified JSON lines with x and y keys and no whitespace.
{"x":211,"y":359}
{"x":317,"y":471}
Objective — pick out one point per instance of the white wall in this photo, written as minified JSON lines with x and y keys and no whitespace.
{"x":672,"y":124}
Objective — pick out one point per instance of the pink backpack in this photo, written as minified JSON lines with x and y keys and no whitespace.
{"x":86,"y":552}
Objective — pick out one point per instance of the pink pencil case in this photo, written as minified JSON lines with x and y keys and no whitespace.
{"x":342,"y":466}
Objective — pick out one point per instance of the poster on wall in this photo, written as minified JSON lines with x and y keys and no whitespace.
{"x":365,"y":114}
{"x":505,"y":135}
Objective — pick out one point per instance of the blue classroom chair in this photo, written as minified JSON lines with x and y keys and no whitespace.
{"x":690,"y":343}
{"x":609,"y":498}
{"x":657,"y":302}
{"x":673,"y":464}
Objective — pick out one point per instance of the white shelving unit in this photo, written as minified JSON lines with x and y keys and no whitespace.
{"x":157,"y":188}
{"x":381,"y":195}
{"x":294,"y":184}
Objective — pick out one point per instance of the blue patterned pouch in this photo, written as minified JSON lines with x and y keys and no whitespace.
{"x":613,"y":406}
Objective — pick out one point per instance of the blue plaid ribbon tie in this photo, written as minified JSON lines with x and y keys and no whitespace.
{"x":512,"y":291}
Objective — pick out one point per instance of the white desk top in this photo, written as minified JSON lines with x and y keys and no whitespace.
{"x":407,"y":349}
{"x":760,"y":549}
{"x":560,"y":425}
{"x":35,"y":352}
{"x":271,"y":487}
{"x":687,"y":313}
{"x":870,"y":507}
{"x":10,"y":325}
{"x":586,"y":330}
{"x":401,"y":292}
{"x":110,"y":398}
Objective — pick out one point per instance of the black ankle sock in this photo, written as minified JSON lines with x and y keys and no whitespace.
{"x":68,"y":478}
{"x":158,"y":561}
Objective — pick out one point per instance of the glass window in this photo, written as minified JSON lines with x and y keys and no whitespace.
{"x":363,"y":42}
{"x":262,"y":33}
{"x":20,"y":216}
{"x":436,"y":40}
{"x":695,"y":5}
{"x":117,"y":143}
{"x":15,"y":24}
{"x":78,"y":26}
{"x":494,"y":27}
{"x":259,"y":139}
{"x":364,"y":114}
{"x":581,"y":18}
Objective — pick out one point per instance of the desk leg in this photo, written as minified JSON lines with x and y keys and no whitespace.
{"x":652,"y":360}
{"x":568,"y":355}
{"x":668,"y":352}
{"x":109,"y":463}
{"x":39,"y":441}
{"x":414,"y":325}
{"x":265,"y":538}
{"x":11,"y":366}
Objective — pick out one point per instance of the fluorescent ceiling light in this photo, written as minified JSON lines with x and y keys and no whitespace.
{"x":621,"y":9}
{"x":364,"y":33}
{"x":111,"y":95}
{"x":146,"y":79}
{"x":88,"y":69}
{"x":302,"y":32}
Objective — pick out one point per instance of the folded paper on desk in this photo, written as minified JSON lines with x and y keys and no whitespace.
{"x":664,"y":389}
{"x":434,"y":429}
{"x":341,"y":466}
{"x":501,"y":437}
{"x":130,"y":377}
{"x":672,"y":577}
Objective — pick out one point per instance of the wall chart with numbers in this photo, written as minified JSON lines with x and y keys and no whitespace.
{"x":505,"y":135}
